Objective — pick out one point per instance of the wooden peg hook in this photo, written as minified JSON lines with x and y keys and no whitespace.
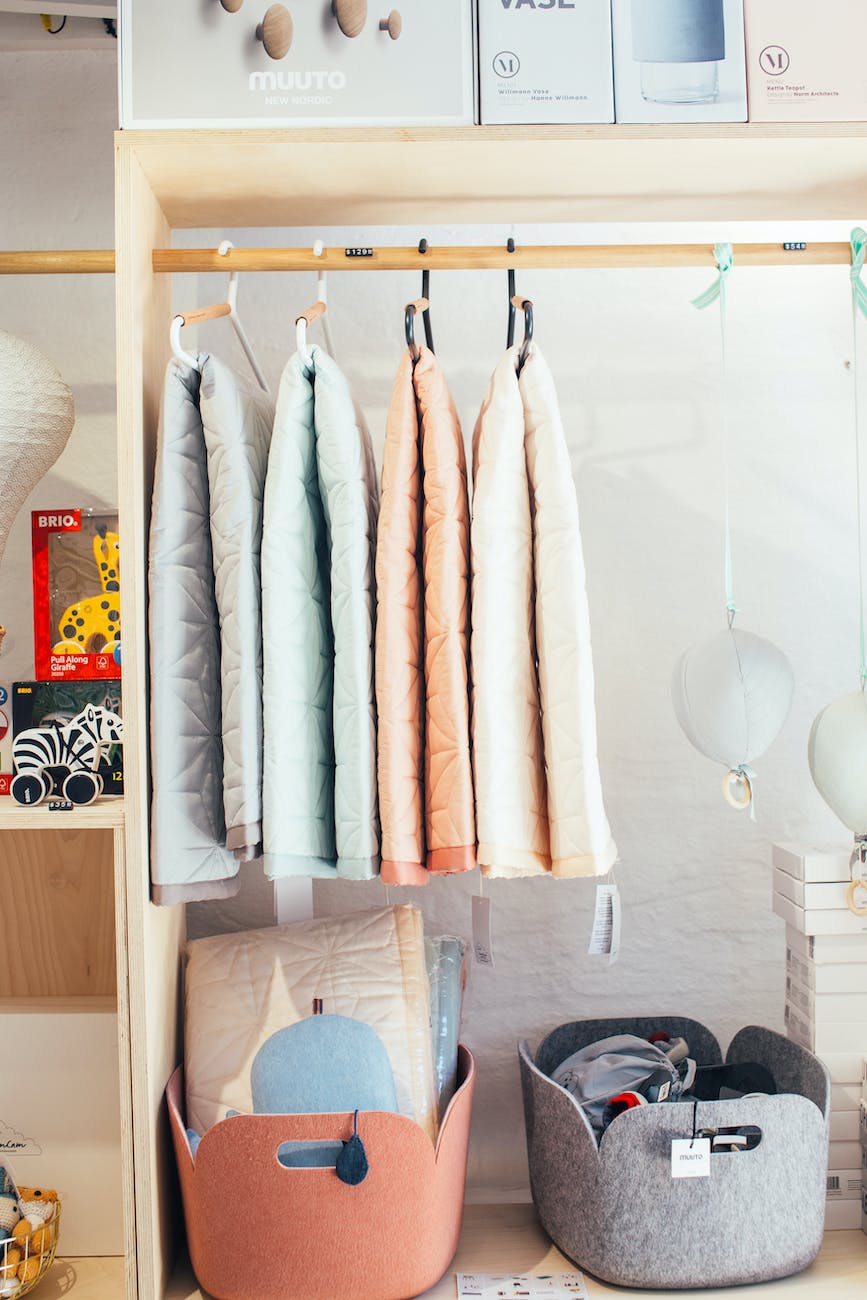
{"x":275,"y":31}
{"x":351,"y":15}
{"x":393,"y":24}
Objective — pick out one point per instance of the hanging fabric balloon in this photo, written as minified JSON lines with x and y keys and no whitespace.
{"x":731,"y":696}
{"x":732,"y":693}
{"x":837,"y":748}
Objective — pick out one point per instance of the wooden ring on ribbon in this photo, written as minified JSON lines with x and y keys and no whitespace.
{"x":728,"y":793}
{"x":857,"y":909}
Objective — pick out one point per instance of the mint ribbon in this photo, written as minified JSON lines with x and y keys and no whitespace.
{"x":724,"y":255}
{"x":858,"y":245}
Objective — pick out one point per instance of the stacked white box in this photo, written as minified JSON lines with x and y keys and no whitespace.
{"x":826,"y":1004}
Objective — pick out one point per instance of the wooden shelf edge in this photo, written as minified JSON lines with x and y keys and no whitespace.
{"x":507,"y":1238}
{"x":107,"y":814}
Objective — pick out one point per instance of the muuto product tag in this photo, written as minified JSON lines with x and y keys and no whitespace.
{"x":482,"y":946}
{"x":690,"y":1158}
{"x":605,"y":935}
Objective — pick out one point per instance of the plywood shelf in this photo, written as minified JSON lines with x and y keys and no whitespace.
{"x":105,"y":814}
{"x":507,"y":1238}
{"x":99,"y":1278}
{"x":397,"y":175}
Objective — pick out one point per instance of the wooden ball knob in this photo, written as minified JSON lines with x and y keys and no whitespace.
{"x":351,"y":15}
{"x":231,"y":6}
{"x":392,"y":24}
{"x":275,"y":31}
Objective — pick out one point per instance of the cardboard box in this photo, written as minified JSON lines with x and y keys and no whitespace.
{"x":822,"y":896}
{"x":76,"y":594}
{"x":60,"y":1114}
{"x":842,"y":1215}
{"x":843,"y":1155}
{"x":843,"y":1185}
{"x":805,"y":61}
{"x":190,"y":65}
{"x":843,"y":1067}
{"x":845,"y":1126}
{"x":828,"y":949}
{"x":818,"y":920}
{"x":824,"y":1007}
{"x":816,"y":864}
{"x":846,"y":1096}
{"x":53,"y":704}
{"x":839,"y":1036}
{"x":679,"y":61}
{"x":545,"y":62}
{"x":838,"y":978}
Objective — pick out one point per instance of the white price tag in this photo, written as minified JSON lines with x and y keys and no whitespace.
{"x":690,"y":1158}
{"x":605,"y":935}
{"x":527,"y":1286}
{"x":483,"y":949}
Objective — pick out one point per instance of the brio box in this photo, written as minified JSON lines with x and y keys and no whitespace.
{"x":53,"y":704}
{"x":805,"y":61}
{"x":843,"y":1185}
{"x":679,"y":61}
{"x":76,"y":594}
{"x":814,"y":864}
{"x":346,"y":63}
{"x":545,"y":61}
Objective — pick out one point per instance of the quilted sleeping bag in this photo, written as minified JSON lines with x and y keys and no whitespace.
{"x":422,"y":633}
{"x":539,"y":805}
{"x":242,"y":988}
{"x":319,"y":795}
{"x":205,"y":631}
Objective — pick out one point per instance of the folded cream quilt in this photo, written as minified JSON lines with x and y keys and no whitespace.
{"x":539,"y":805}
{"x":205,"y":631}
{"x":319,"y":797}
{"x":241,"y":988}
{"x":422,"y":633}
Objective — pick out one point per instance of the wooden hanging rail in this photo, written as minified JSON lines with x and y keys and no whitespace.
{"x":443,"y":258}
{"x":493,"y":258}
{"x":58,"y":261}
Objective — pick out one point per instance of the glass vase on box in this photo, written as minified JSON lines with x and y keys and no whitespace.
{"x":679,"y":45}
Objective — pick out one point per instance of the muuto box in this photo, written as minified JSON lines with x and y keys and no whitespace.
{"x":545,"y":61}
{"x":818,"y":921}
{"x":679,"y":61}
{"x":76,"y":594}
{"x":805,"y":61}
{"x":814,"y":864}
{"x":60,"y":1113}
{"x":329,"y":64}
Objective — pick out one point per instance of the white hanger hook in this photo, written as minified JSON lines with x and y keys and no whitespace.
{"x":175,"y":340}
{"x":321,"y":277}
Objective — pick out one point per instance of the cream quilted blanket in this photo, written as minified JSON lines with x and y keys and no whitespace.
{"x":539,"y":805}
{"x":241,"y":988}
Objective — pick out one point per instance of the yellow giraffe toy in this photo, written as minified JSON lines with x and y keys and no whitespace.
{"x":92,"y":625}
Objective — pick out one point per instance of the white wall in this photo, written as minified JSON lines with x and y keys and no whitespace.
{"x":637,"y":369}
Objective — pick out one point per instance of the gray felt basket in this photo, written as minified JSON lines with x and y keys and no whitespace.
{"x":615,"y":1209}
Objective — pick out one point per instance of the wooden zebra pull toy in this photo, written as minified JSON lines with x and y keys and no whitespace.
{"x":64,"y":757}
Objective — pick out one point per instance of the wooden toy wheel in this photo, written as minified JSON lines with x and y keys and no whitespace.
{"x":275,"y":31}
{"x":82,"y":787}
{"x":231,"y":6}
{"x":351,"y":15}
{"x":29,"y":788}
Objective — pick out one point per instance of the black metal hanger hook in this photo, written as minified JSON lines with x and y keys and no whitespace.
{"x":510,"y":333}
{"x":527,"y":307}
{"x":425,"y":293}
{"x":409,"y":330}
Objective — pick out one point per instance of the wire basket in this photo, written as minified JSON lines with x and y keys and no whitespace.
{"x":27,"y":1262}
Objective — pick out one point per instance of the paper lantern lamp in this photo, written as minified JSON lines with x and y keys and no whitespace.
{"x":36,"y":419}
{"x":732,"y":695}
{"x":837,"y":754}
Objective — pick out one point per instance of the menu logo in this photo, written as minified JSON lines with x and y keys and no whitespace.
{"x":774,"y":60}
{"x":538,"y":4}
{"x":16,"y":1144}
{"x":506,"y":64}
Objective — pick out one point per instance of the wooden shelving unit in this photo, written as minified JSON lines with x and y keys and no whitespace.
{"x":104,"y":815}
{"x":168,"y":180}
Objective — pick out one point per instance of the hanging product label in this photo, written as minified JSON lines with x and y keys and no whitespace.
{"x":605,"y":935}
{"x":482,"y":946}
{"x":690,"y":1158}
